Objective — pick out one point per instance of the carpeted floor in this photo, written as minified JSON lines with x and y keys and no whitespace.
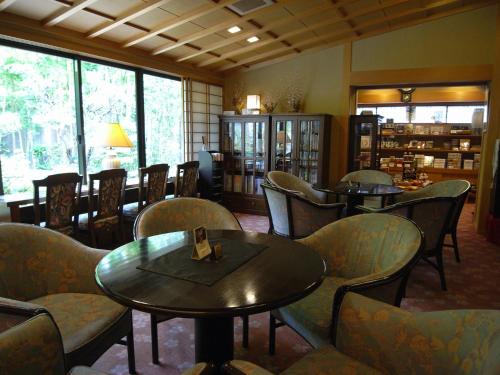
{"x":473,"y":283}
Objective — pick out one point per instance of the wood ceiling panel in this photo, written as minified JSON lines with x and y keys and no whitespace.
{"x":36,"y":10}
{"x":113,"y":7}
{"x":300,"y":6}
{"x":81,"y":22}
{"x":186,"y":29}
{"x":179,"y":7}
{"x":154,"y":17}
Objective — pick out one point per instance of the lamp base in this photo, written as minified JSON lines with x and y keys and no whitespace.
{"x":111,"y":161}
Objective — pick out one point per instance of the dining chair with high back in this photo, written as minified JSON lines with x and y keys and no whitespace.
{"x":30,"y":342}
{"x":369,"y":254}
{"x":432,"y":215}
{"x":62,"y":202}
{"x":181,"y":214}
{"x":105,"y":214}
{"x":186,"y":180}
{"x":293,"y":216}
{"x":457,"y":189}
{"x":51,"y":271}
{"x":374,"y":338}
{"x":287,"y":181}
{"x":152,"y":188}
{"x":368,"y":176}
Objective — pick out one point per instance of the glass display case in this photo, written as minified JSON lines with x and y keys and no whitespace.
{"x":299,"y":144}
{"x":364,"y":142}
{"x":244,"y":142}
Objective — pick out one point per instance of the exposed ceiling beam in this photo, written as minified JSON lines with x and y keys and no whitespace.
{"x":327,"y":22}
{"x":64,"y":13}
{"x":5,"y":3}
{"x":126,"y":16}
{"x":343,"y":14}
{"x":241,"y":37}
{"x":178,"y":21}
{"x":347,"y":36}
{"x":216,"y":28}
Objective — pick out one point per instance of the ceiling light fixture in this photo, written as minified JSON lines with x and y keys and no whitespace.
{"x":234,"y":29}
{"x":253,"y":39}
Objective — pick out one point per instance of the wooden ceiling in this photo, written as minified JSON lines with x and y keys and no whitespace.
{"x":195,"y":32}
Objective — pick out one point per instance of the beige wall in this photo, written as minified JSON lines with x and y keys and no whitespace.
{"x":465,"y":43}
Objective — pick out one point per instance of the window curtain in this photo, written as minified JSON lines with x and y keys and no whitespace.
{"x":202,"y":107}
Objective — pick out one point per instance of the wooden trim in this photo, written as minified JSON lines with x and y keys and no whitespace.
{"x":6,"y":3}
{"x":178,"y":21}
{"x":15,"y":27}
{"x":126,"y":16}
{"x":64,"y":13}
{"x":449,"y":74}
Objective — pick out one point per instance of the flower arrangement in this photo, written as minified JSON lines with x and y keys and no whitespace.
{"x":237,"y":99}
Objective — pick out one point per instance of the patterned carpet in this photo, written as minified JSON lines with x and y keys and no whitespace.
{"x":471,"y":284}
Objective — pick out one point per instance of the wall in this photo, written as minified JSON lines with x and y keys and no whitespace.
{"x":462,"y":44}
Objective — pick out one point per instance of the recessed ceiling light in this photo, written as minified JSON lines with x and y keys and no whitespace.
{"x":234,"y":29}
{"x":253,"y":39}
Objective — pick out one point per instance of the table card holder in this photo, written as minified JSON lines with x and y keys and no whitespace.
{"x":201,"y":248}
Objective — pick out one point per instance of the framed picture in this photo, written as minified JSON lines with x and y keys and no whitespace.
{"x":201,"y":246}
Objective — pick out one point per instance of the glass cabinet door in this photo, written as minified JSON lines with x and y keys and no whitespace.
{"x":308,"y":155}
{"x":284,"y":151}
{"x":364,"y":140}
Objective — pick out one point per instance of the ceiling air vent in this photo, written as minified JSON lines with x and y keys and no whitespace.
{"x":243,"y":7}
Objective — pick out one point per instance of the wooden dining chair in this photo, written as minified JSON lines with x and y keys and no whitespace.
{"x":186,"y":181}
{"x":151,"y":190}
{"x":105,"y":211}
{"x":62,"y":202}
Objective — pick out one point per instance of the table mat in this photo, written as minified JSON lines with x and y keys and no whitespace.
{"x":178,"y":263}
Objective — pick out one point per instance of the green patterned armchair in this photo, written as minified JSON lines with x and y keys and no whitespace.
{"x":368,"y":176}
{"x":294,"y":216}
{"x":456,"y":189}
{"x":371,"y":254}
{"x":287,"y":181}
{"x":30,"y":342}
{"x":180,"y":214}
{"x":54,"y":272}
{"x":432,"y":215}
{"x":376,"y":338}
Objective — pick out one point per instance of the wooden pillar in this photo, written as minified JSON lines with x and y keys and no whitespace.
{"x":489,"y":138}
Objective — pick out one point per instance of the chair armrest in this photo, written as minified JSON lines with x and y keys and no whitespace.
{"x":368,"y":210}
{"x":12,"y":306}
{"x":238,"y":367}
{"x":201,"y":368}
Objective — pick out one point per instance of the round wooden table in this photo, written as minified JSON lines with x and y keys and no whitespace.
{"x":284,"y":272}
{"x":356,"y":192}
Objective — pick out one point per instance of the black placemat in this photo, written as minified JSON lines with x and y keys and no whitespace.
{"x":178,"y":263}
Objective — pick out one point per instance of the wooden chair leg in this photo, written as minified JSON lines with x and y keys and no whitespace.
{"x":440,"y":266}
{"x":455,"y":244}
{"x":154,"y":339}
{"x":245,"y":330}
{"x":272,"y":334}
{"x":131,"y":351}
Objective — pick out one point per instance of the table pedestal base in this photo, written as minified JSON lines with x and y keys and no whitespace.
{"x":214,"y":340}
{"x":351,"y":202}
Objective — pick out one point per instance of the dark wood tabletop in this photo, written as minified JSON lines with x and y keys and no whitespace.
{"x":361,"y":189}
{"x":283,"y":273}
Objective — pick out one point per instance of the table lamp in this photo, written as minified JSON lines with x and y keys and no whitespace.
{"x":253,"y":104}
{"x":114,"y":136}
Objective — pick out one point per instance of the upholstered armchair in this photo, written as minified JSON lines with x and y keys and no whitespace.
{"x":432,"y":215}
{"x":54,"y":272}
{"x":457,"y":189}
{"x":294,"y":216}
{"x":180,"y":214}
{"x":30,"y":342}
{"x":368,"y":176}
{"x":371,"y":254}
{"x":287,"y":181}
{"x":375,"y":338}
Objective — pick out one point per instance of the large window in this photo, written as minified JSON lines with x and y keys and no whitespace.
{"x":43,"y":131}
{"x":37,"y":117}
{"x":108,"y":95}
{"x":163,"y":121}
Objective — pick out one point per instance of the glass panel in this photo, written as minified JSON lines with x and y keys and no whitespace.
{"x":361,"y":109}
{"x":280,"y":145}
{"x":109,"y":96}
{"x":304,"y":140}
{"x":289,"y":139}
{"x":398,"y":114}
{"x":313,"y":172}
{"x":228,"y":136}
{"x":314,"y":140}
{"x":464,"y":114}
{"x":260,"y":141}
{"x":237,"y":139}
{"x":237,"y":179}
{"x":259,"y":175}
{"x":429,"y":114}
{"x":363,"y":145}
{"x":163,"y":121}
{"x":249,"y":180}
{"x":37,"y":117}
{"x":249,"y":146}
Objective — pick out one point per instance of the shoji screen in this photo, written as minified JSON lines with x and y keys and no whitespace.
{"x":202,"y":107}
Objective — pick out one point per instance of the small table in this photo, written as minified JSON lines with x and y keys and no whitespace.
{"x":356,"y":192}
{"x":284,"y":272}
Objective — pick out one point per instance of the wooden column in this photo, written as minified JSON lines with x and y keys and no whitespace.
{"x":489,"y":138}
